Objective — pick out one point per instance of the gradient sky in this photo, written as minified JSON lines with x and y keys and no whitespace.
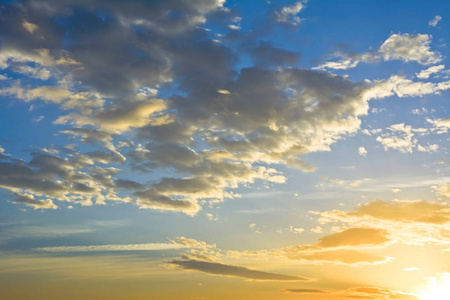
{"x":212,"y":149}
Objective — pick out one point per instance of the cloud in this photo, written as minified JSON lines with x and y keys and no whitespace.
{"x":29,"y":200}
{"x":267,"y":55}
{"x":305,"y":291}
{"x":405,"y":47}
{"x":362,"y":151}
{"x":289,"y":14}
{"x":343,"y":256}
{"x":354,"y":237}
{"x":234,"y":271}
{"x":26,"y":230}
{"x":399,"y":211}
{"x":101,"y":248}
{"x":359,"y":293}
{"x":443,"y":190}
{"x":152,"y":199}
{"x":399,"y":138}
{"x":217,"y":130}
{"x":342,"y":247}
{"x":403,"y":87}
{"x":409,"y":222}
{"x":408,"y":47}
{"x":30,"y":27}
{"x":425,"y":74}
{"x":49,"y":177}
{"x":429,"y":149}
{"x":85,"y":267}
{"x":122,"y":117}
{"x":433,"y":22}
{"x":375,"y":293}
{"x":440,"y":125}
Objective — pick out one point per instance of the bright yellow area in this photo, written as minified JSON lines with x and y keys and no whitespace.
{"x":438,"y":289}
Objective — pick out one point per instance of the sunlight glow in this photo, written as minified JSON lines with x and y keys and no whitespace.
{"x":438,"y":289}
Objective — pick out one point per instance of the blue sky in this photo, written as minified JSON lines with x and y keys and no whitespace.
{"x":260,"y":147}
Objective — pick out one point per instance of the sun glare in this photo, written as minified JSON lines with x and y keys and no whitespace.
{"x":438,"y":289}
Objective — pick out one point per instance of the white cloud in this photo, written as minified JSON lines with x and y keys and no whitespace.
{"x":234,"y":27}
{"x":408,"y":47}
{"x":38,"y":119}
{"x":429,"y":148}
{"x":362,"y":151}
{"x":295,"y":230}
{"x":405,"y":47}
{"x":399,"y":138}
{"x":435,"y":21}
{"x":440,"y":125}
{"x":289,"y":14}
{"x":317,"y":229}
{"x":425,"y":74}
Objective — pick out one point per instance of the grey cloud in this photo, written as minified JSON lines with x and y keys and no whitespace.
{"x":50,"y":177}
{"x":214,"y":141}
{"x":129,"y":184}
{"x":152,"y":199}
{"x":231,"y":270}
{"x":29,"y":200}
{"x":266,"y":55}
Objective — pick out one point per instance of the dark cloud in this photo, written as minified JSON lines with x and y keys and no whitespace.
{"x":129,"y":184}
{"x":148,"y":70}
{"x":267,"y":55}
{"x":231,"y":270}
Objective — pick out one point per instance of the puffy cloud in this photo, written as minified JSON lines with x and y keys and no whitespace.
{"x":405,"y":47}
{"x":218,"y":130}
{"x":440,"y":125}
{"x":362,"y":151}
{"x":289,"y":14}
{"x":400,"y":138}
{"x":50,"y":177}
{"x":123,"y":116}
{"x":29,"y":200}
{"x":408,"y":47}
{"x":430,"y":148}
{"x":295,"y":230}
{"x":433,"y":22}
{"x":234,"y":271}
{"x":403,"y":87}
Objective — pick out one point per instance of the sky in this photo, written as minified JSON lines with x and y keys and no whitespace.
{"x":214,"y":149}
